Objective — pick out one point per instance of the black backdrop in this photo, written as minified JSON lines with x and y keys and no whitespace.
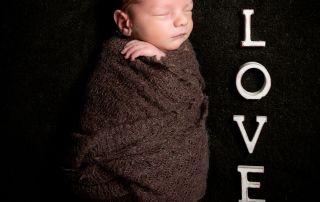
{"x":49,"y":48}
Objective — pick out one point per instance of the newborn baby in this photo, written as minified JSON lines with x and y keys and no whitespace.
{"x":143,"y":128}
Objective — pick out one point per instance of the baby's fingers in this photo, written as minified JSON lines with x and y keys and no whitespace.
{"x":136,"y":48}
{"x":137,"y":53}
{"x":130,"y":51}
{"x":131,"y":44}
{"x":127,"y":47}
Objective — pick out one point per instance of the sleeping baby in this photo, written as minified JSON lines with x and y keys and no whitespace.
{"x":143,"y":130}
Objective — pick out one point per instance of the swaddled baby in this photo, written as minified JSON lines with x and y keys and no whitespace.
{"x":143,"y":135}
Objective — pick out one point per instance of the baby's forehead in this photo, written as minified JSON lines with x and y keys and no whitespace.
{"x":167,"y":2}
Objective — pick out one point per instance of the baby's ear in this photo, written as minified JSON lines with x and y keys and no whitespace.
{"x":123,"y":22}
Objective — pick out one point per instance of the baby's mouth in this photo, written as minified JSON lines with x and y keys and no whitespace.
{"x":179,"y":35}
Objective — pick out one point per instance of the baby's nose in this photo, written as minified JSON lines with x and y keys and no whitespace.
{"x":181,"y":20}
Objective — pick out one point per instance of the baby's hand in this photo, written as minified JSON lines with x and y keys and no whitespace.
{"x":136,"y":48}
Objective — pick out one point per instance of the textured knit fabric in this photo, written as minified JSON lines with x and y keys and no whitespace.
{"x":143,"y":129}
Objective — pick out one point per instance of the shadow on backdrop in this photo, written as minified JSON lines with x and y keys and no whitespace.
{"x":73,"y":106}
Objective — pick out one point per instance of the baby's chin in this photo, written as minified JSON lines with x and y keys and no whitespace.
{"x":172,"y":46}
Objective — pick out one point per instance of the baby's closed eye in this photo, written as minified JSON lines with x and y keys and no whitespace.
{"x":161,"y":13}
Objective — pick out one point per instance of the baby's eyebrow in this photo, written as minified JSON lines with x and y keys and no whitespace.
{"x":189,"y":5}
{"x":157,"y":8}
{"x":167,"y":7}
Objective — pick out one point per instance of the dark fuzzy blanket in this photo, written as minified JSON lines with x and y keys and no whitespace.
{"x":143,"y":131}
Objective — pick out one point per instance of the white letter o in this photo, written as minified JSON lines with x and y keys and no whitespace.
{"x":266,"y":85}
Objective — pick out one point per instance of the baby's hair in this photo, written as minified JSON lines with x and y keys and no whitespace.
{"x":124,"y":4}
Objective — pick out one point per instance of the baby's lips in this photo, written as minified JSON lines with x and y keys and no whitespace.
{"x":179,"y":35}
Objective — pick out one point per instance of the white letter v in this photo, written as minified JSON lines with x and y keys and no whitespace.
{"x":250,"y":144}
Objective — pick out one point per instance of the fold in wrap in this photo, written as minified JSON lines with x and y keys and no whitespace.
{"x":143,"y":130}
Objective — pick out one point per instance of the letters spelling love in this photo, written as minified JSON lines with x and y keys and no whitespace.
{"x":245,"y":169}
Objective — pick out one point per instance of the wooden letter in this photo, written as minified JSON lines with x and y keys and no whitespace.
{"x":250,"y":144}
{"x":245,"y":183}
{"x":247,"y":34}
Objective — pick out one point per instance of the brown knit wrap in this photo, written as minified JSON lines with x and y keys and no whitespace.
{"x":143,"y":129}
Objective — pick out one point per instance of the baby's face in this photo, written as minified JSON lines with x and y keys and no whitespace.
{"x":164,"y":23}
